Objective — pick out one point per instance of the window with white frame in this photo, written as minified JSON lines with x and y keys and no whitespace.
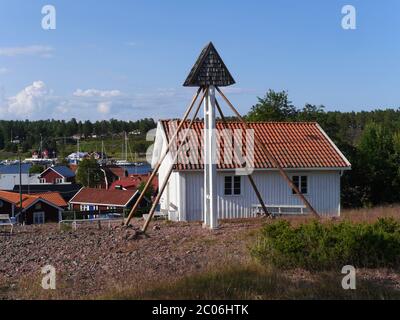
{"x":59,"y":180}
{"x":42,"y":180}
{"x":233,"y":186}
{"x":301,"y":182}
{"x":85,"y":207}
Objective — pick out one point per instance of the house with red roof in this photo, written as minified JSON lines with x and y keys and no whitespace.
{"x":103,"y":200}
{"x":303,"y":150}
{"x":133,"y":182}
{"x":112,"y":173}
{"x":34,"y":209}
{"x":57,"y":175}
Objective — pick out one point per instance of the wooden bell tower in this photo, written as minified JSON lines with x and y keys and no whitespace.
{"x":210,"y":72}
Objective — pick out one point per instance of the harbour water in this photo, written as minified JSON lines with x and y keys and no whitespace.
{"x":141,"y":169}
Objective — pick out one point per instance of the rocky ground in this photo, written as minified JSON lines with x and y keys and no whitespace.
{"x":90,"y":261}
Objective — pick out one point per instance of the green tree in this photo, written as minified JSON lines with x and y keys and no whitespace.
{"x":87,"y":128}
{"x":275,"y":106}
{"x":376,"y":162}
{"x":89,"y":173}
{"x":36,"y":169}
{"x":150,"y":191}
{"x":311,"y":112}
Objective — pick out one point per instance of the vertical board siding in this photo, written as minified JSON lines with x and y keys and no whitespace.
{"x":324,"y":194}
{"x":194,"y":196}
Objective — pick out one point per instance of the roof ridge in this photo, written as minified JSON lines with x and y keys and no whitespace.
{"x":248,"y":122}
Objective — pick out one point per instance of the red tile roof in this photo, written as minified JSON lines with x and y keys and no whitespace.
{"x":133,"y":182}
{"x":27,"y":199}
{"x":292,"y":144}
{"x":53,"y":197}
{"x":118,"y":198}
{"x":11,"y":197}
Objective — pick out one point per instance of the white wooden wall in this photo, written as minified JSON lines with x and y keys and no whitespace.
{"x":8,"y":181}
{"x":183,"y":197}
{"x":324,"y":194}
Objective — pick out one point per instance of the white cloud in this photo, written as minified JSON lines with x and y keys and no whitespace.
{"x":37,"y":101}
{"x":90,"y":93}
{"x":35,"y":50}
{"x":3,"y":70}
{"x":104,"y":107}
{"x":28,"y":101}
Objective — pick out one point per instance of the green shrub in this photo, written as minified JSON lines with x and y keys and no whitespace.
{"x":317,"y":246}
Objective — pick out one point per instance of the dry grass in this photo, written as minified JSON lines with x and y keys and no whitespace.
{"x":252,"y":282}
{"x":372,"y":214}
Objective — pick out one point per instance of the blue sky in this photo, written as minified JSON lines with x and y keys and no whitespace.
{"x":128,"y":59}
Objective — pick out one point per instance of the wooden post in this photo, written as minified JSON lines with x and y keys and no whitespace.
{"x":157,"y":167}
{"x":252,"y":182}
{"x":162,"y":189}
{"x":210,"y":162}
{"x":271,"y":158}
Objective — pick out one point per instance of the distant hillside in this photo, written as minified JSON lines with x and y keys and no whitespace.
{"x":61,"y":136}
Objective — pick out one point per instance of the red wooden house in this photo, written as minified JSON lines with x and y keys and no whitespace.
{"x":101,"y":200}
{"x":57,"y":175}
{"x":34,"y":209}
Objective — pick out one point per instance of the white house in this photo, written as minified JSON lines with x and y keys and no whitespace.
{"x":303,"y":150}
{"x":9,"y":176}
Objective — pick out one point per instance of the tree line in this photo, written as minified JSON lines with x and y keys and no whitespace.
{"x":369,"y":139}
{"x":31,"y":133}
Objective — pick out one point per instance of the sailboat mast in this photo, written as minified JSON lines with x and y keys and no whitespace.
{"x":126,"y":147}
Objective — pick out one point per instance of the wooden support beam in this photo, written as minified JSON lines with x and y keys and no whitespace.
{"x":158,"y":165}
{"x":251,"y":179}
{"x":271,"y":157}
{"x":162,"y":189}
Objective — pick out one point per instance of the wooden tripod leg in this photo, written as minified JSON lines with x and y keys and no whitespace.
{"x":157,"y":200}
{"x":271,"y":158}
{"x":158,"y":165}
{"x":251,"y":179}
{"x":162,"y":189}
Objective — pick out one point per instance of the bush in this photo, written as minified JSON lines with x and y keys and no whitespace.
{"x":317,"y":246}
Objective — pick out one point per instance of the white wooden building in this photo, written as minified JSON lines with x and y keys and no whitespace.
{"x":9,"y":176}
{"x":304,"y":150}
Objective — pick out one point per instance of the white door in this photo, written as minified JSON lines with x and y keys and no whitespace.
{"x":38,"y":218}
